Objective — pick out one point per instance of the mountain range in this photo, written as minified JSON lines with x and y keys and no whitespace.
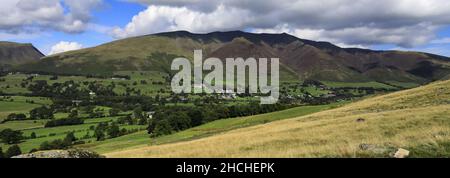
{"x":300,"y":58}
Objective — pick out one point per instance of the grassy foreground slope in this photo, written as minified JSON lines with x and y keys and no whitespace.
{"x":416,"y":119}
{"x":142,"y":139}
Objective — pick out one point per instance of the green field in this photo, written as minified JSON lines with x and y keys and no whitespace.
{"x":8,"y":107}
{"x":149,"y":83}
{"x":23,"y":125}
{"x":50,"y":134}
{"x":12,"y":83}
{"x":358,"y":84}
{"x":11,"y":106}
{"x":404,"y":84}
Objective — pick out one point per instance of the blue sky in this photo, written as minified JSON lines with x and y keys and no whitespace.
{"x":112,"y":13}
{"x":384,"y":25}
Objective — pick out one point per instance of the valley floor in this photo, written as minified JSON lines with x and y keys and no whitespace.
{"x":416,"y":119}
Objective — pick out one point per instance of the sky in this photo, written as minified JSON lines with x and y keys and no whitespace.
{"x":55,"y":26}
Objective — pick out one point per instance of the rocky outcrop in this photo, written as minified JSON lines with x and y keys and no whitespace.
{"x":73,"y":153}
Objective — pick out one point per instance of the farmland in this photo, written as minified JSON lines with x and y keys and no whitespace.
{"x":20,"y":92}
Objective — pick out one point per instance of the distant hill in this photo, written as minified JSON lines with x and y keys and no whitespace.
{"x":417,"y":120}
{"x":17,"y":53}
{"x":305,"y":59}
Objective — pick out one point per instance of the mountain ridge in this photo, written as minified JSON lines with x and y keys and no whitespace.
{"x":292,"y":38}
{"x":309,"y":59}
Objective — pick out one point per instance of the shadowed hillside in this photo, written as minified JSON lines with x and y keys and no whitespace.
{"x":16,"y":53}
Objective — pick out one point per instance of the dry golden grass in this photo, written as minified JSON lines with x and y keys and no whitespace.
{"x":406,"y":119}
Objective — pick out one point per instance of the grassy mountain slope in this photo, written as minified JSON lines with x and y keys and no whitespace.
{"x":129,"y":54}
{"x":307,"y":59}
{"x":16,"y":53}
{"x":416,"y":119}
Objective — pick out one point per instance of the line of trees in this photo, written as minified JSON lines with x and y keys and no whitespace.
{"x":104,"y":130}
{"x":66,"y":121}
{"x":15,"y":117}
{"x":177,"y":118}
{"x":67,"y":142}
{"x":70,"y":89}
{"x":14,"y":150}
{"x":43,"y":112}
{"x":9,"y":136}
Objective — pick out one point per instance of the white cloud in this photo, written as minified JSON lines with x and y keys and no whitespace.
{"x":19,"y":36}
{"x":71,"y":16}
{"x":64,"y":46}
{"x":362,"y":36}
{"x":316,"y":34}
{"x":405,"y":23}
{"x":164,"y":18}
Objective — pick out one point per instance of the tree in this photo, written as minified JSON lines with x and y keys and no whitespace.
{"x":89,"y":109}
{"x":142,"y":121}
{"x":70,"y":138}
{"x":55,"y":144}
{"x":99,"y":135}
{"x":11,"y":117}
{"x":137,"y":113}
{"x":45,"y":146}
{"x":10,"y":136}
{"x":13,"y":151}
{"x":179,"y":120}
{"x":33,"y":135}
{"x":196,"y":116}
{"x":67,"y":121}
{"x":123,"y":131}
{"x":21,"y":116}
{"x":2,"y":155}
{"x":161,"y":128}
{"x":102,"y":125}
{"x":99,"y":132}
{"x":114,"y":112}
{"x":42,"y":113}
{"x":73,"y":114}
{"x":114,"y":130}
{"x":16,"y":117}
{"x":96,"y":113}
{"x":125,"y":120}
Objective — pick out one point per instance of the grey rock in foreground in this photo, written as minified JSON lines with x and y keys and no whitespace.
{"x":73,"y":153}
